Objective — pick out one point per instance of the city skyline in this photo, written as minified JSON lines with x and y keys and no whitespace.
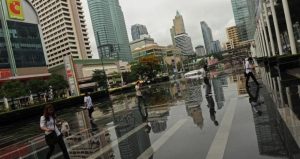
{"x":194,"y":12}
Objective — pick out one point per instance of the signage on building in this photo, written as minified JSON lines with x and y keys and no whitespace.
{"x":71,"y":78}
{"x":15,"y":9}
{"x":5,"y":73}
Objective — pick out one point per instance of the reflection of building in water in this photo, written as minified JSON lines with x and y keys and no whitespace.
{"x":241,"y":84}
{"x":158,"y":118}
{"x":196,"y":114}
{"x":233,"y":78}
{"x":218,"y":90}
{"x":193,"y":93}
{"x":96,"y":138}
{"x":176,"y":90}
{"x":135,"y":144}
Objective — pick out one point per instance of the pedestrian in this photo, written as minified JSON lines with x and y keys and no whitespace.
{"x":248,"y":69}
{"x":52,"y":134}
{"x":139,"y":95}
{"x":88,"y":104}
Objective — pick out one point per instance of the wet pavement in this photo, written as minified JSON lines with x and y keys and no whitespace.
{"x":178,"y":121}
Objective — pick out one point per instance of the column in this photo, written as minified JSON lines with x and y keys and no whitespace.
{"x":289,"y":25}
{"x":256,"y":44}
{"x":272,"y":52}
{"x":280,"y":92}
{"x":276,"y":27}
{"x":265,"y":35}
{"x":262,"y":38}
{"x":275,"y":91}
{"x":5,"y":101}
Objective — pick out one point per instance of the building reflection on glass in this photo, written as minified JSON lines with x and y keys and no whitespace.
{"x":137,"y":143}
{"x":282,"y":110}
{"x":91,"y":138}
{"x":158,"y":117}
{"x":218,"y":84}
{"x":193,"y":96}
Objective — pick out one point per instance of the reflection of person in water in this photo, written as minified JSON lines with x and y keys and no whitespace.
{"x":209,"y":98}
{"x":254,"y":100}
{"x":212,"y":111}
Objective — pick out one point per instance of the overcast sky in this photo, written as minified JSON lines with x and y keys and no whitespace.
{"x":158,"y":16}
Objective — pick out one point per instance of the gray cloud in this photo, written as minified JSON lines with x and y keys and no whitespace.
{"x":158,"y":16}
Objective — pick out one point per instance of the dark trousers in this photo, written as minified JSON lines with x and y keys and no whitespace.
{"x":250,"y":74}
{"x":141,"y":99}
{"x":91,"y":110}
{"x":62,"y":146}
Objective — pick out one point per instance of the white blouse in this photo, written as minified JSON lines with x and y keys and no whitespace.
{"x":49,"y":124}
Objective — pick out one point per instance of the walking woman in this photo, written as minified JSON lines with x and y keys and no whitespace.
{"x":52,"y":135}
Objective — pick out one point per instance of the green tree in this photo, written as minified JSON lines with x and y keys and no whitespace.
{"x":14,"y":89}
{"x":37,"y":87}
{"x":99,"y":76}
{"x":149,"y":70}
{"x":58,"y":84}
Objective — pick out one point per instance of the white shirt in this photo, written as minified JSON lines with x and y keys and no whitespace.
{"x":88,"y":101}
{"x":138,"y":91}
{"x":248,"y":67}
{"x":49,"y":124}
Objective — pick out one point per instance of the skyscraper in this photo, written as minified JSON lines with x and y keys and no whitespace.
{"x":64,"y":30}
{"x":242,"y":19}
{"x":110,"y":29}
{"x":137,"y":30}
{"x":184,"y":43}
{"x":207,"y":36}
{"x":178,"y":24}
{"x":200,"y":50}
{"x":179,"y":37}
{"x":215,"y":46}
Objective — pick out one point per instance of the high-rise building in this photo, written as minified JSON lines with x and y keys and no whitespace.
{"x":242,"y":18}
{"x":178,"y":24}
{"x":179,"y":37}
{"x":207,"y":36}
{"x":22,"y":50}
{"x":137,"y":31}
{"x":184,"y":43}
{"x":215,"y":46}
{"x":110,"y":29}
{"x":143,"y":41}
{"x":200,"y":50}
{"x":233,"y":37}
{"x":64,"y":30}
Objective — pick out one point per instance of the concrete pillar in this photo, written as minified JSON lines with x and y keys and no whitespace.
{"x":262,"y":39}
{"x":276,"y":27}
{"x":275,"y":91}
{"x":256,"y":44}
{"x":272,"y":51}
{"x":281,"y":104}
{"x":289,"y":25}
{"x":266,"y":41}
{"x":6,"y":105}
{"x":288,"y":94}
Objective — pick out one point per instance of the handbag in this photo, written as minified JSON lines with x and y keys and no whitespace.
{"x":52,"y":138}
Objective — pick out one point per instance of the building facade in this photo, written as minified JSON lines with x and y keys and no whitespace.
{"x":233,"y":38}
{"x":179,"y":36}
{"x":64,"y":30}
{"x":137,"y":31}
{"x":142,"y":42}
{"x":207,"y":36}
{"x":216,"y":47}
{"x":110,"y":29}
{"x":242,"y":18}
{"x":200,"y":50}
{"x":184,"y":43}
{"x":22,"y":50}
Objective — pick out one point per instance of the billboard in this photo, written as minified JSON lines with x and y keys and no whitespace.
{"x":15,"y":9}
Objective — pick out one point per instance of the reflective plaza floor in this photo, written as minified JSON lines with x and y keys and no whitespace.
{"x":175,"y":123}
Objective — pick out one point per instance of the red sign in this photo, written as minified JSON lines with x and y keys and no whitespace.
{"x":5,"y":73}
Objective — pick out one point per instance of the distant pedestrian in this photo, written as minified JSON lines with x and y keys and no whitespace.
{"x":88,"y":104}
{"x":139,"y":94}
{"x":52,"y":134}
{"x":248,"y":70}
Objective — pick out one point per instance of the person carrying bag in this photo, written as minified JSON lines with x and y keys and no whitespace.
{"x":52,"y":134}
